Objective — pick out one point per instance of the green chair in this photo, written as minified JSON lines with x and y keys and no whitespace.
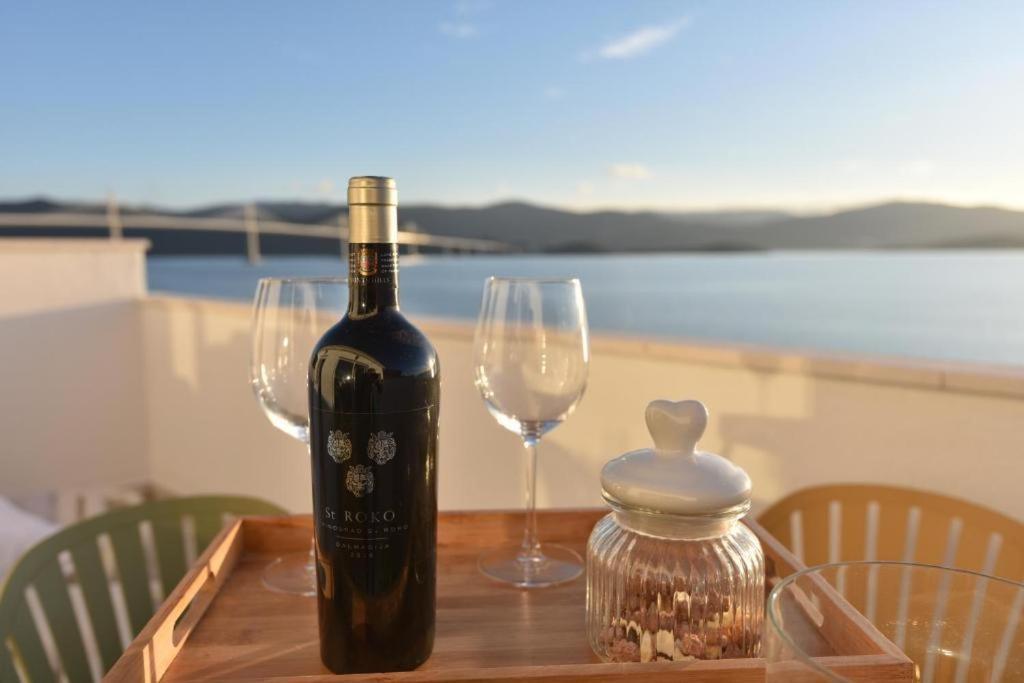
{"x":139,"y":553}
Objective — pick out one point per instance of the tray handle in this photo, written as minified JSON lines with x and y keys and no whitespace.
{"x":159,"y":643}
{"x":191,"y":608}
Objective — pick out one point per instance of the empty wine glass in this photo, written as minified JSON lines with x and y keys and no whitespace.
{"x":531,"y":354}
{"x":289,"y":317}
{"x":860,"y":622}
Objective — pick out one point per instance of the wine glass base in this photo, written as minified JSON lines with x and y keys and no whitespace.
{"x":555,"y":564}
{"x":292,"y":574}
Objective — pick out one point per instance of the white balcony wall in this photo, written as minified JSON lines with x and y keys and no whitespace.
{"x":791,"y":420}
{"x":71,"y":388}
{"x":101,"y":386}
{"x":50,"y":274}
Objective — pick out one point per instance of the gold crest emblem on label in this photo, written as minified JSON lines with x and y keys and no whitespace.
{"x":359,"y":480}
{"x":339,"y":446}
{"x":381,"y":447}
{"x":367,"y":262}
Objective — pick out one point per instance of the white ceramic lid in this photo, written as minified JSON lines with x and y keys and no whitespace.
{"x":674,"y":477}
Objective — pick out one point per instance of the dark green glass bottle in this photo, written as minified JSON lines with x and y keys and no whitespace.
{"x":374,"y":392}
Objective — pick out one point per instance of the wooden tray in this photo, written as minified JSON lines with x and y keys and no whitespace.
{"x":220,"y":623}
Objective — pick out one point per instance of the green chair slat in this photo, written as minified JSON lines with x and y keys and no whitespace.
{"x":26,"y":639}
{"x":96,"y":589}
{"x":40,"y":567}
{"x":170,"y":551}
{"x":209,"y":516}
{"x":207,"y":524}
{"x":7,"y":670}
{"x":52,"y":589}
{"x":133,"y":573}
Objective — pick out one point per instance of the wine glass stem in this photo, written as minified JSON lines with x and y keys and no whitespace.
{"x":531,"y":545}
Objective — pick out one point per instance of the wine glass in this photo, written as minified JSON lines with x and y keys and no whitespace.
{"x":919,"y":623}
{"x":289,"y":317}
{"x":531,"y":354}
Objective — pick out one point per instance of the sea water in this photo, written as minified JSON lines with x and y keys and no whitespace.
{"x":955,"y":305}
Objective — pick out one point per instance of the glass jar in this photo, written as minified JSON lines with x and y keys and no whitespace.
{"x":672,"y":573}
{"x":673,"y":588}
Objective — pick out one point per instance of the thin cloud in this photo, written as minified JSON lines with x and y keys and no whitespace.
{"x":919,"y":168}
{"x":458,"y":29}
{"x":325,"y":188}
{"x":553,"y":92}
{"x":853,"y":165}
{"x":630,"y":171}
{"x":464,"y":7}
{"x":639,"y":42}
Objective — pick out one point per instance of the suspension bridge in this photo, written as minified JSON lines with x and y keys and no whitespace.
{"x":115,"y":223}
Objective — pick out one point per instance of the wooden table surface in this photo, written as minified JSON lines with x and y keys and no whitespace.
{"x":250,"y":632}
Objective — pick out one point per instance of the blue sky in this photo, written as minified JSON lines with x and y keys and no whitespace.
{"x":577,"y":104}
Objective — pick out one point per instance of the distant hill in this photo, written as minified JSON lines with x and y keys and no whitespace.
{"x":898,"y":225}
{"x":527,"y":227}
{"x":535,"y":228}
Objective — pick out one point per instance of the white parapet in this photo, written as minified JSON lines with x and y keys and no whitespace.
{"x":49,"y":274}
{"x":791,"y":419}
{"x":102,"y":385}
{"x":71,"y":386}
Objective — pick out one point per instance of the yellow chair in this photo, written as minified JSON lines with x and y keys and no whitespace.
{"x":871,"y":522}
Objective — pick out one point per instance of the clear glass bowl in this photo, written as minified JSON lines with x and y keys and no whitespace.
{"x":670,"y":588}
{"x":934,"y":623}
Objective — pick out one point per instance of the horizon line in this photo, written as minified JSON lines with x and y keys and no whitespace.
{"x":810,"y":209}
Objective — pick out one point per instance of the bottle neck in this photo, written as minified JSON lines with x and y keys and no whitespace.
{"x":372,"y":278}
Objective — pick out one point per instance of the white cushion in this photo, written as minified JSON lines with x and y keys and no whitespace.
{"x":19,"y":531}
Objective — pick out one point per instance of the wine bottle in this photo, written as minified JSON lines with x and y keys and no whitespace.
{"x":374,"y":390}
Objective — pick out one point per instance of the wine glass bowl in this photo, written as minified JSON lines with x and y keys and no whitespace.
{"x":531,"y":358}
{"x":532,"y":352}
{"x":289,"y":317}
{"x":931,"y":623}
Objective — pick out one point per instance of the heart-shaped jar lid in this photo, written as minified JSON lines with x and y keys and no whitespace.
{"x":674,"y":477}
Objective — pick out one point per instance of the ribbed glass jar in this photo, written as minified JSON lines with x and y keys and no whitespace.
{"x":670,"y":587}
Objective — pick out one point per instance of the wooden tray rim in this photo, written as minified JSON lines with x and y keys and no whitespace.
{"x":153,"y":651}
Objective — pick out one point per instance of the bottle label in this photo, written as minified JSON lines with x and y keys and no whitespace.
{"x":373,"y":264}
{"x":370,"y":487}
{"x":367,"y":261}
